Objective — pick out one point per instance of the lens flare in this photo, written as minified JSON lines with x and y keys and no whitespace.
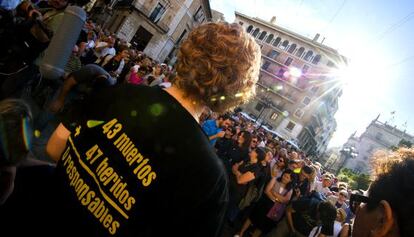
{"x":27,"y":133}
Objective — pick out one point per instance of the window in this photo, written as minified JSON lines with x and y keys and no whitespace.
{"x":281,"y":72}
{"x":330,"y":64}
{"x":378,"y":136}
{"x":308,"y":55}
{"x":292,"y":48}
{"x":255,"y":32}
{"x":157,"y":13}
{"x":259,"y":106}
{"x":316,"y":59}
{"x":305,"y":69}
{"x":291,"y":125}
{"x":262,"y":35}
{"x":288,"y":61}
{"x":269,"y":38}
{"x":285,"y":44}
{"x":300,"y":52}
{"x":277,"y":41}
{"x":181,"y":37}
{"x":241,"y":23}
{"x":314,"y":89}
{"x":306,"y":100}
{"x":199,"y":16}
{"x":274,"y":116}
{"x":249,"y":29}
{"x":299,"y":113}
{"x":265,"y":65}
{"x":273,"y":54}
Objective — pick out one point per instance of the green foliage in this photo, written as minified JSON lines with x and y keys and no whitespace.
{"x":354,"y":180}
{"x":402,"y":143}
{"x":405,"y":143}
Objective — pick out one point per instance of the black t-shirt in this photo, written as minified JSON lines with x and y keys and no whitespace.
{"x":138,"y":164}
{"x":305,"y":216}
{"x":24,"y":210}
{"x":237,"y":154}
{"x":223,"y":146}
{"x":237,"y":190}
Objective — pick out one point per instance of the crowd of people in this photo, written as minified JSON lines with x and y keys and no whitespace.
{"x":97,"y":54}
{"x":138,"y":150}
{"x":267,"y":174}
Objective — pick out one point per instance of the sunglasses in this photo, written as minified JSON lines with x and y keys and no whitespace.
{"x":356,"y":200}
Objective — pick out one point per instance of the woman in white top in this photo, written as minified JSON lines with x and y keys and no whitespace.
{"x":278,"y":190}
{"x":337,"y":228}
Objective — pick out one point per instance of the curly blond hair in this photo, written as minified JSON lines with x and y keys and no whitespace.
{"x":382,"y":161}
{"x":218,"y":66}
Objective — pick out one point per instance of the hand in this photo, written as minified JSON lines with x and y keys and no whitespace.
{"x":35,"y":14}
{"x":235,"y":168}
{"x":297,"y":192}
{"x":56,"y":106}
{"x":221,"y":134}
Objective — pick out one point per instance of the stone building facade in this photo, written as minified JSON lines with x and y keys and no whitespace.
{"x":377,"y":136}
{"x":297,"y":93}
{"x":157,"y":27}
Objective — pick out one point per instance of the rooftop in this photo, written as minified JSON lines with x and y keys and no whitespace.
{"x":300,"y":37}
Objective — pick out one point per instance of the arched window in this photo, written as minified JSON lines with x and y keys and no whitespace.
{"x":316,"y":59}
{"x":284,"y":44}
{"x":249,"y":29}
{"x":292,"y":48}
{"x":255,"y":32}
{"x":300,"y":52}
{"x":308,"y":55}
{"x":269,"y":38}
{"x":262,"y":35}
{"x":277,"y":41}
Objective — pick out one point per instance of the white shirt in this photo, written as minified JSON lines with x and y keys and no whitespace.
{"x":319,"y":188}
{"x":336,"y":230}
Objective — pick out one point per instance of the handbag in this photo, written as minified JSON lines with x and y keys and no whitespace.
{"x":276,"y":212}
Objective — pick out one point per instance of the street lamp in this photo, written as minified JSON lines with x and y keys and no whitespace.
{"x":349,"y":152}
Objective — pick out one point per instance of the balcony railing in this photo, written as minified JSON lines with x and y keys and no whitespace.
{"x":282,"y":80}
{"x":146,"y":12}
{"x":279,"y":93}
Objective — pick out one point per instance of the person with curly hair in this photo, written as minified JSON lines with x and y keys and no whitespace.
{"x":387,"y":210}
{"x":134,"y":161}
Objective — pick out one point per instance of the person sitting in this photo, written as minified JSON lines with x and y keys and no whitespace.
{"x":115,"y":64}
{"x":387,"y":209}
{"x":86,"y":80}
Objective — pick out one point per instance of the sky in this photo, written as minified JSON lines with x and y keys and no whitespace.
{"x":375,"y":35}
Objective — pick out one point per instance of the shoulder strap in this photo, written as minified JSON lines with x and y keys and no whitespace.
{"x":102,"y":60}
{"x":317,"y":231}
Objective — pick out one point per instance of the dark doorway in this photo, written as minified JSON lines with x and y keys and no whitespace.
{"x":141,"y":39}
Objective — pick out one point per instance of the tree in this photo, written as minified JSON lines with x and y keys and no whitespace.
{"x":405,"y":143}
{"x":354,"y":180}
{"x":402,"y":143}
